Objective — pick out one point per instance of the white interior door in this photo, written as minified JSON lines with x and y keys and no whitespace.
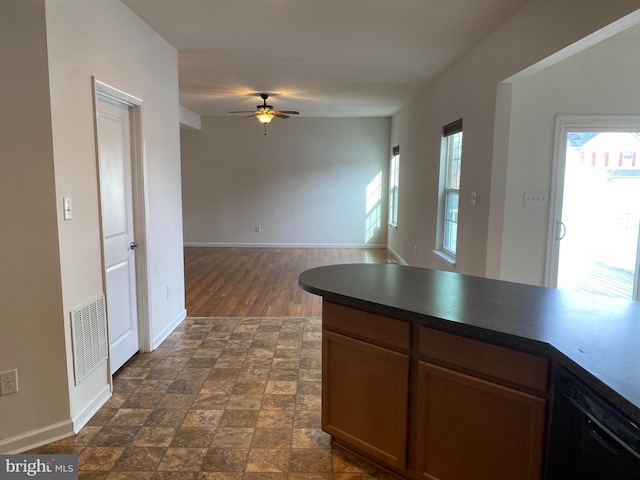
{"x":114,"y":153}
{"x":597,"y":209}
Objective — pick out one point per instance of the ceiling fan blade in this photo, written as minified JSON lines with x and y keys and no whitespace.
{"x":281,"y":115}
{"x":243,"y":111}
{"x":249,"y":116}
{"x":290,"y":112}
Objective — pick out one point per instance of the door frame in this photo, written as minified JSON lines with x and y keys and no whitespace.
{"x":139,"y":199}
{"x":563,"y":125}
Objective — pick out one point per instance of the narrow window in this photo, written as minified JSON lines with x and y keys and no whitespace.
{"x":450,"y":191}
{"x":394,"y":173}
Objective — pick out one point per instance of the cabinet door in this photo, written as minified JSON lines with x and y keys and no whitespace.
{"x":473,"y":429}
{"x":365,"y":390}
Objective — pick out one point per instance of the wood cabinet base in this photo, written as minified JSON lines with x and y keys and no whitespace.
{"x":473,"y":429}
{"x":365,"y":392}
{"x":424,"y":404}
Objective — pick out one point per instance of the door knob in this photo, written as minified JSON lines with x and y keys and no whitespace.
{"x":133,"y":246}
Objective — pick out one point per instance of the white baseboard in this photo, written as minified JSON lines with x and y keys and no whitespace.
{"x":155,"y":343}
{"x":400,"y":260}
{"x":285,"y":245}
{"x":90,"y":409}
{"x":397,"y":257}
{"x":35,"y":438}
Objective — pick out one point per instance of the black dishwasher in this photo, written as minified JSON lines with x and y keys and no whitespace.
{"x":590,"y":438}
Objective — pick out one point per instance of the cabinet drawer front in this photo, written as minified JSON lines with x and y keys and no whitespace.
{"x":378,"y":328}
{"x":498,"y":362}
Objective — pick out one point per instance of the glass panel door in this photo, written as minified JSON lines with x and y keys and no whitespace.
{"x":598,"y":230}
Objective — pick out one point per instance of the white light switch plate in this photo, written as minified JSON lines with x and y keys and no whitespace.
{"x":66,"y":205}
{"x":536,"y":199}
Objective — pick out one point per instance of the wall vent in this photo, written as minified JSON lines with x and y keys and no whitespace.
{"x":89,"y":333}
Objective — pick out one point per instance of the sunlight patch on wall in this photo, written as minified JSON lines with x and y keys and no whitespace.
{"x":373,"y":207}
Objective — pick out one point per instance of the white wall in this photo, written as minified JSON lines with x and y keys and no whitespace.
{"x":31,"y":312}
{"x":304,"y":183}
{"x":189,"y":119}
{"x":49,"y":51}
{"x":468,"y":90}
{"x":105,"y":39}
{"x":600,"y":80}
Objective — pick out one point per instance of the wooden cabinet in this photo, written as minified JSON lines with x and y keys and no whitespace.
{"x":365,"y":397}
{"x":365,"y":386}
{"x":470,"y":428}
{"x":481,"y":412}
{"x":431,"y":405}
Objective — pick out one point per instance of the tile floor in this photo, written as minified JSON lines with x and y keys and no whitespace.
{"x":221,"y":398}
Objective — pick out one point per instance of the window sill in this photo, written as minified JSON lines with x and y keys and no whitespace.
{"x":448,"y":259}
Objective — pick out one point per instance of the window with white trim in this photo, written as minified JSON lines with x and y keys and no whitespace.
{"x":450,"y":190}
{"x":394,"y":175}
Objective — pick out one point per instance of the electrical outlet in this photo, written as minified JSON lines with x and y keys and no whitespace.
{"x":258,"y":229}
{"x":8,"y":382}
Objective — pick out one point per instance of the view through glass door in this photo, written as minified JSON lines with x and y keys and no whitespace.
{"x":598,"y":212}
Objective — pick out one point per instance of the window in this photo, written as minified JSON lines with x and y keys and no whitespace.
{"x":394,"y":173}
{"x":450,"y":191}
{"x":373,"y":207}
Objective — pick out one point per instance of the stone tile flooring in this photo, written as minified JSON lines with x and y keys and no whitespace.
{"x":221,"y":398}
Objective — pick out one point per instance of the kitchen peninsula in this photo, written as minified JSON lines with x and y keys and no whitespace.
{"x":434,"y":374}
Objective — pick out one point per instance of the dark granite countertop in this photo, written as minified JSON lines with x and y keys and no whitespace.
{"x":597,"y":338}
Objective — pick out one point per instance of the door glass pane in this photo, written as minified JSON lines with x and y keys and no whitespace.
{"x":600,"y":213}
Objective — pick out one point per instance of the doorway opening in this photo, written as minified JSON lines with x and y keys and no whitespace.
{"x":596,"y":213}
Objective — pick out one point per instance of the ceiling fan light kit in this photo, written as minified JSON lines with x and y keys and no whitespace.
{"x":264,"y":117}
{"x":265,"y":113}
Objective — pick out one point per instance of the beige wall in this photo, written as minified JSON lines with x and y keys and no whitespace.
{"x":601,"y":80}
{"x":304,"y":183}
{"x":469,"y":90}
{"x":31,"y":312}
{"x":106,"y":40}
{"x":50,"y":51}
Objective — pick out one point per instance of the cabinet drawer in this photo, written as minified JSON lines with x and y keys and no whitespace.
{"x":377,"y":328}
{"x":498,"y":362}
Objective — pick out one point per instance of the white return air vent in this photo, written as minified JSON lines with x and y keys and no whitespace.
{"x":89,"y":333}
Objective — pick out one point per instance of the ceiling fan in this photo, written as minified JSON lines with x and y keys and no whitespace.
{"x":265,"y":113}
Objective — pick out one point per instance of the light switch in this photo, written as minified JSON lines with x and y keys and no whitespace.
{"x":474,"y":198}
{"x":66,"y":202}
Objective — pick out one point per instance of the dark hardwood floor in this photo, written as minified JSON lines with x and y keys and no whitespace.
{"x":260,"y":282}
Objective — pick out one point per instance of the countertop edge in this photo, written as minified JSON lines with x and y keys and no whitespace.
{"x":529,"y":345}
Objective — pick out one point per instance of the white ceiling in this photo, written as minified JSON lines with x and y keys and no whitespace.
{"x":324,"y":58}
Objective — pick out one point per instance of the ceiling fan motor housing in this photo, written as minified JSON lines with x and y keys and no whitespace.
{"x":264,"y":105}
